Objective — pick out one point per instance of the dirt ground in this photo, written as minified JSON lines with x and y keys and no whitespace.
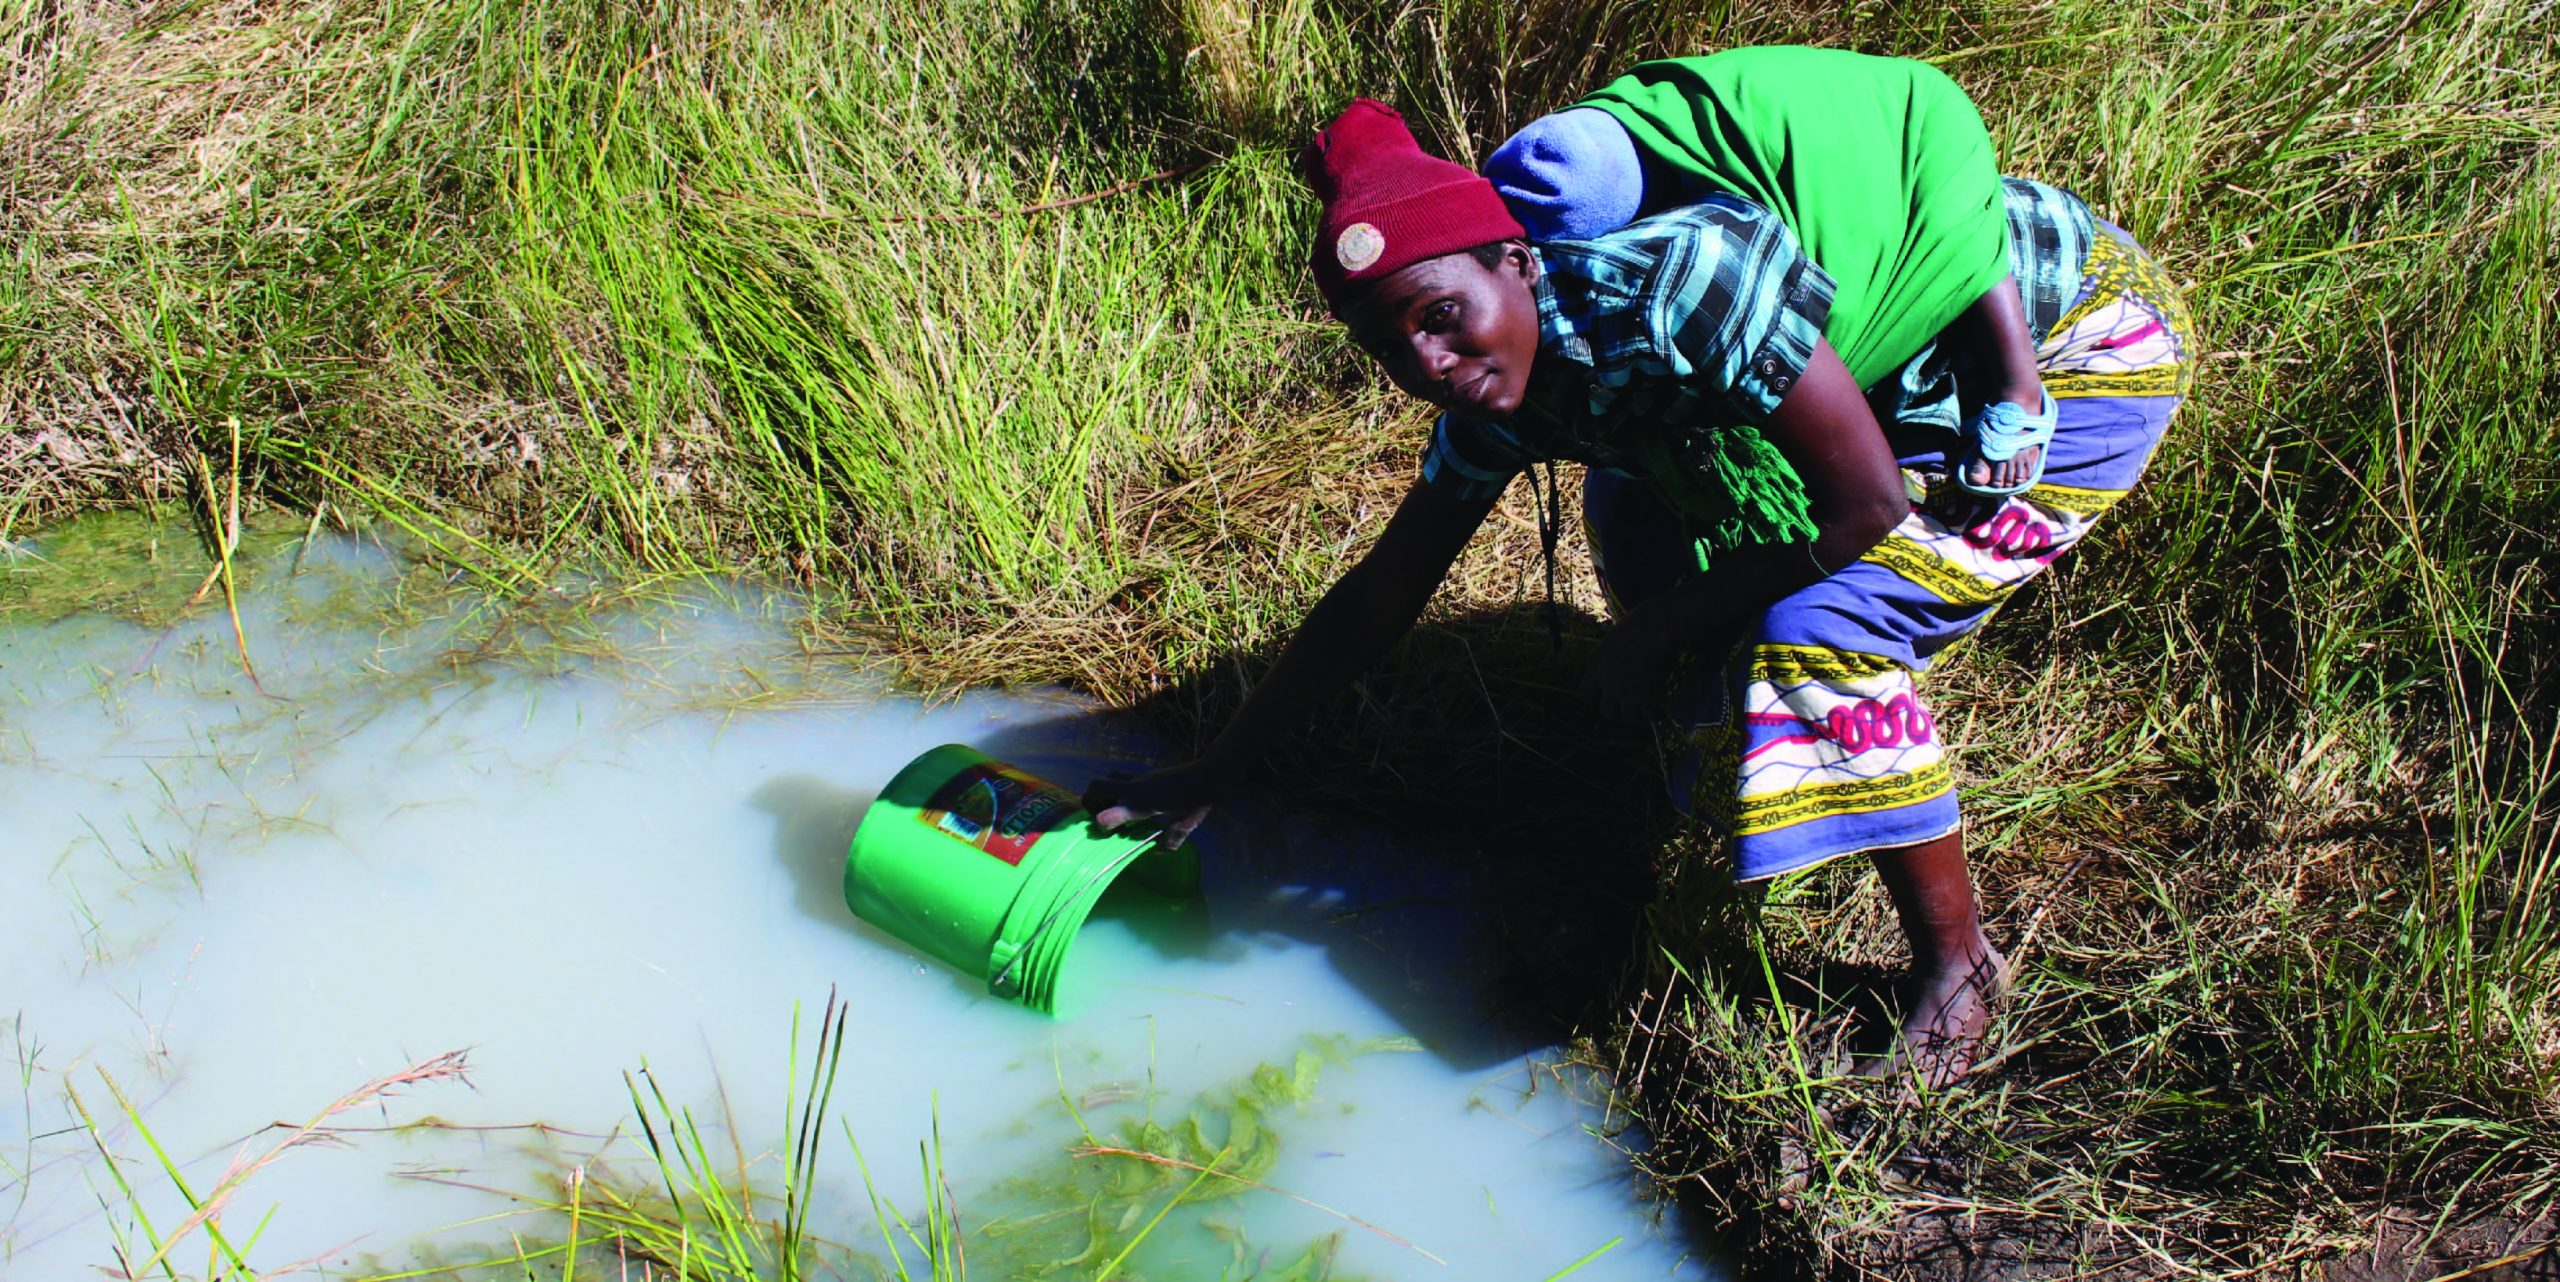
{"x":1947,"y":1250}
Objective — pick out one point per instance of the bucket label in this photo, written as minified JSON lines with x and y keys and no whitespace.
{"x":998,"y":809}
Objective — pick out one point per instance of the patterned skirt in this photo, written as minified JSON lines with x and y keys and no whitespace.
{"x":1813,"y":741}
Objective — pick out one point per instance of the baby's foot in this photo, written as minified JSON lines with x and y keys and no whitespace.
{"x":2003,"y":450}
{"x":2008,"y":474}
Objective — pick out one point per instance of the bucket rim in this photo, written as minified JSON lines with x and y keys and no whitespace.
{"x":1028,"y":956}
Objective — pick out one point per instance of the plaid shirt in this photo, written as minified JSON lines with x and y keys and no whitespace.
{"x":1702,"y":317}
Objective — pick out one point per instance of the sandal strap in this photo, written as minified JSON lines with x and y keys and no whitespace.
{"x":2000,"y":433}
{"x":2003,"y":429}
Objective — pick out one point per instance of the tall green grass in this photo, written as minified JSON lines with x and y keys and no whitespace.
{"x":676,"y":1196}
{"x":1107,"y":1203}
{"x":2263,"y":782}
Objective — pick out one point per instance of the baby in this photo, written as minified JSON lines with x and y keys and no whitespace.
{"x":1882,"y":169}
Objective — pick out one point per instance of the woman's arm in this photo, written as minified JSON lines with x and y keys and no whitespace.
{"x":1364,"y":612}
{"x":1830,"y":437}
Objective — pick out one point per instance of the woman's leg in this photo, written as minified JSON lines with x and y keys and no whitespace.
{"x":1955,"y":972}
{"x":1639,"y":547}
{"x":1814,"y":742}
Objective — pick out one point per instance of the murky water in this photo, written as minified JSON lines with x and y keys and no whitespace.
{"x":577,"y":837}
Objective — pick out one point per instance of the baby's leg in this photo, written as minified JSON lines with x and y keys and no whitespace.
{"x":1995,"y":327}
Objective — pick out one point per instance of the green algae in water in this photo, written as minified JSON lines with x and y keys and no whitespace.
{"x":1098,"y":1208}
{"x":1094,"y":1203}
{"x":143,"y":566}
{"x":147,"y":566}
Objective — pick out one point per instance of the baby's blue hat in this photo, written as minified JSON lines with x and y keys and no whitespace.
{"x":1569,"y":176}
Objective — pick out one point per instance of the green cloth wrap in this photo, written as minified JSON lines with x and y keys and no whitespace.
{"x":1880,"y":166}
{"x":1731,"y":486}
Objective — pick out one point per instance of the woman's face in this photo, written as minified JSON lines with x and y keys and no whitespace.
{"x":1455,"y":332}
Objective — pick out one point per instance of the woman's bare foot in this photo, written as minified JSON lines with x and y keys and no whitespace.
{"x":1950,"y":1010}
{"x":1956,"y":973}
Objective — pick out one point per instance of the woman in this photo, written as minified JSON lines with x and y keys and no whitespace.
{"x":1748,"y":506}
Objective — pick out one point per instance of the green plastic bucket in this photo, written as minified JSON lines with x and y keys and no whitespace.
{"x":993,"y":870}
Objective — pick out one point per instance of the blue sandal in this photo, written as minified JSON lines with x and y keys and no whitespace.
{"x":2000,"y":433}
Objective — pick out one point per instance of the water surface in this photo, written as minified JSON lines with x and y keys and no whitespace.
{"x":588,"y":831}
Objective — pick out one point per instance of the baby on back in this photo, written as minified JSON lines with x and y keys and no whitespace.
{"x":1882,"y":170}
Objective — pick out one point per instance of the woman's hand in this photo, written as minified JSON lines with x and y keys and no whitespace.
{"x":1180,"y":795}
{"x":1358,"y":618}
{"x":1626,"y":677}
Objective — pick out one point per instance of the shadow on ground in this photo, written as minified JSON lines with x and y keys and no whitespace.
{"x":1472,"y":850}
{"x":1494,"y":867}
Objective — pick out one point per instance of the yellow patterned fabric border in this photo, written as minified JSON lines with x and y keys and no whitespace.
{"x":2117,"y":273}
{"x":1789,"y":664}
{"x":1932,"y":573}
{"x":2160,"y":380}
{"x":1769,"y":812}
{"x":2075,"y":500}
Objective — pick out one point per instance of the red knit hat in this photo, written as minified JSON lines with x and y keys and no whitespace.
{"x":1388,"y":204}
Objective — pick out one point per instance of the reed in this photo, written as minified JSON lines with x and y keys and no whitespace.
{"x":688,"y":1211}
